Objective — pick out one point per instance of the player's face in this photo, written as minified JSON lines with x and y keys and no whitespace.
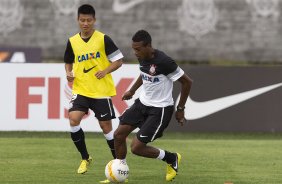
{"x":141,"y":51}
{"x":86,"y":22}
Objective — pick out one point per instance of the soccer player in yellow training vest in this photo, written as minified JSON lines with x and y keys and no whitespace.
{"x":90,"y":57}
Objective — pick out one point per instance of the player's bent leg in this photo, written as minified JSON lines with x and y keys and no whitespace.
{"x":120,"y":136}
{"x":172,"y":159}
{"x":142,"y":149}
{"x":77,"y":136}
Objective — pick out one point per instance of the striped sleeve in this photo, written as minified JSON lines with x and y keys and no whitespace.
{"x":112,"y":51}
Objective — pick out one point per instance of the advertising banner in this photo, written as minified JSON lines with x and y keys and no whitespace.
{"x":233,"y":99}
{"x":35,"y":97}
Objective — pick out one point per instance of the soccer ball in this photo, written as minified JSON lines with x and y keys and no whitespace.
{"x":117,"y":171}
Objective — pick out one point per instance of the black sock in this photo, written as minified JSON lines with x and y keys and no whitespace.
{"x":79,"y":141}
{"x":169,"y":157}
{"x":112,"y":147}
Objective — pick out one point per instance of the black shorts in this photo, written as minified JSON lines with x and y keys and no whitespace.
{"x":103,"y":108}
{"x":152,"y":121}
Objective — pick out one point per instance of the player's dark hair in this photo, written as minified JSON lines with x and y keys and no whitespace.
{"x":86,"y":9}
{"x":143,"y":36}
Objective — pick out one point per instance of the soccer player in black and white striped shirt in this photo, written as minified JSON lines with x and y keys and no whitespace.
{"x":153,"y":110}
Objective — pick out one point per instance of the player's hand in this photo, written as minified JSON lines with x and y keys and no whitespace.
{"x":179,"y":115}
{"x":127,"y":95}
{"x":100,"y":74}
{"x":70,"y":76}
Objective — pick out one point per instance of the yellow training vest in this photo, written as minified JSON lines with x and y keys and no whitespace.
{"x":91,"y":57}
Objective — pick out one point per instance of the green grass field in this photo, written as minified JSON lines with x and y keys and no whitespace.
{"x":45,"y":157}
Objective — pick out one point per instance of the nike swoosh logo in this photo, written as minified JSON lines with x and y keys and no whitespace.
{"x":87,"y":70}
{"x":176,"y":167}
{"x":119,"y":7}
{"x":103,"y":115}
{"x":143,"y":135}
{"x":197,"y":110}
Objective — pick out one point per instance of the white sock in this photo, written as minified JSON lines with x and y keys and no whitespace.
{"x":109,"y":136}
{"x":161,"y":155}
{"x":75,"y":128}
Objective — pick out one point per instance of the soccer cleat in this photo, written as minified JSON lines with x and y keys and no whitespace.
{"x":172,"y":169}
{"x":105,"y":181}
{"x":108,"y":181}
{"x":83,"y":165}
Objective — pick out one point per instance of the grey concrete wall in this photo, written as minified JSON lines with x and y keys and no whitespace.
{"x":190,"y":30}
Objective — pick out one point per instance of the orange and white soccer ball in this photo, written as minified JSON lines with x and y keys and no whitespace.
{"x":117,"y":171}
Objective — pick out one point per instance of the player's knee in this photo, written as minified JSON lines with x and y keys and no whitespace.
{"x":119,"y":136}
{"x":74,"y":122}
{"x":135,"y":149}
{"x":75,"y":118}
{"x":106,"y":127}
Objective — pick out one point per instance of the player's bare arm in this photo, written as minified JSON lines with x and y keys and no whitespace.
{"x":186,"y":84}
{"x":128,"y":94}
{"x":114,"y":66}
{"x":69,"y":73}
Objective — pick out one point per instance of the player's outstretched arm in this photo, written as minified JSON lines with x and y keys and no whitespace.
{"x":186,"y":84}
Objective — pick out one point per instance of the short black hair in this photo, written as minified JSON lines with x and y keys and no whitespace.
{"x":86,"y":9}
{"x":142,"y":35}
